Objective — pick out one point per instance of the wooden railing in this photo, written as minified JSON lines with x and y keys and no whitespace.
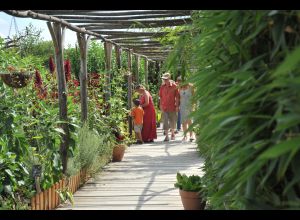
{"x":49,"y":199}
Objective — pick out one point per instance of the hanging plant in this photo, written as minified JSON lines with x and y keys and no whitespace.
{"x":15,"y":71}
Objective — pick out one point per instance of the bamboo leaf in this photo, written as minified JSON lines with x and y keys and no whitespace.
{"x":281,"y":148}
{"x":289,"y":63}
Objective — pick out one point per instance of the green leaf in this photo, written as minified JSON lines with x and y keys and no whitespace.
{"x":59,"y":130}
{"x":287,"y":121}
{"x":289,"y":63}
{"x":9,"y":172}
{"x":281,"y":148}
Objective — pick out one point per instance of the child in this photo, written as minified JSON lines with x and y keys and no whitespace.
{"x":137,"y":113}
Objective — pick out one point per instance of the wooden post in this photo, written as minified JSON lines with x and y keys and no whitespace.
{"x":57,"y":198}
{"x":42,"y":207}
{"x":129,"y":94}
{"x":33,"y":203}
{"x":53,"y":196}
{"x":37,"y":202}
{"x":50,"y":198}
{"x":83,"y":45}
{"x":146,"y":72}
{"x":108,"y":51}
{"x":57,"y":32}
{"x":137,"y":68}
{"x":46,"y":200}
{"x":118,"y":56}
{"x":157,"y":71}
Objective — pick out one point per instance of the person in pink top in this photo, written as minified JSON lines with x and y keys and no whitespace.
{"x":169,"y":105}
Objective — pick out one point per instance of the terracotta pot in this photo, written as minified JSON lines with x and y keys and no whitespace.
{"x":191,"y":200}
{"x":118,"y":153}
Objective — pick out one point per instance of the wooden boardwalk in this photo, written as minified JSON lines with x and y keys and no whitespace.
{"x":144,"y":180}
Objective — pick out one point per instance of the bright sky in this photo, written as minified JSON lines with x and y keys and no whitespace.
{"x":5,"y":21}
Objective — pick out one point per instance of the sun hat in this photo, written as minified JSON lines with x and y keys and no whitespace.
{"x":166,"y":76}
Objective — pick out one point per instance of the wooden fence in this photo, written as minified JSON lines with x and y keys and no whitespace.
{"x":49,"y":199}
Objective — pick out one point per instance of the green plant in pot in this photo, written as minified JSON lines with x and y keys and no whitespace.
{"x":191,"y":191}
{"x":120,"y":147}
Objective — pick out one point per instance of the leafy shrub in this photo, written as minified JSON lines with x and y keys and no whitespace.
{"x":188,"y":183}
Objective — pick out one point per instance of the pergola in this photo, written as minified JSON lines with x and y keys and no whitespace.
{"x":133,"y":31}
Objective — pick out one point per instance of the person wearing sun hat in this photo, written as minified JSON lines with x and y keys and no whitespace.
{"x":169,"y":105}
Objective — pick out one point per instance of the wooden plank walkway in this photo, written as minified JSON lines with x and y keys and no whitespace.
{"x":144,"y":180}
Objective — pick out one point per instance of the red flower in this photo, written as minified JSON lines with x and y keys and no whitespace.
{"x":94,"y":79}
{"x":76,"y":82}
{"x":38,"y":79}
{"x":67,"y":66}
{"x":51,"y":65}
{"x":38,"y":84}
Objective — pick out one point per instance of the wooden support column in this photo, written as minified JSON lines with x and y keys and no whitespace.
{"x":136,"y":74}
{"x":118,"y":56}
{"x":108,"y":64}
{"x":146,"y":72}
{"x":129,"y":94}
{"x":57,"y":32}
{"x":83,"y":45}
{"x":157,"y":72}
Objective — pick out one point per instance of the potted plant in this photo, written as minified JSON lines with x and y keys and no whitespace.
{"x":120,"y":147}
{"x":191,"y":191}
{"x":15,"y":71}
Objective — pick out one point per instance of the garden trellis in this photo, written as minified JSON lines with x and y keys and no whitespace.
{"x":122,"y":29}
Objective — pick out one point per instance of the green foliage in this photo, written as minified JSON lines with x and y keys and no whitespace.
{"x":93,"y":150}
{"x":88,"y":146}
{"x":245,"y":68}
{"x":11,"y":62}
{"x":73,"y":54}
{"x":95,"y":60}
{"x":65,"y":195}
{"x":188,"y":183}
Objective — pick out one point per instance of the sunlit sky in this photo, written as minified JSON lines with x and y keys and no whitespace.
{"x":5,"y":23}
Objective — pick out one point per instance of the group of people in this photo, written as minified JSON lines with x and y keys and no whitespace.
{"x":175,"y":104}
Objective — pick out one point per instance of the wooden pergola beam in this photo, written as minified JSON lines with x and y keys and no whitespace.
{"x":34,"y":15}
{"x":113,"y":13}
{"x":97,"y":22}
{"x":116,"y":18}
{"x":132,"y":33}
{"x":140,"y":44}
{"x":115,"y":39}
{"x":137,"y":41}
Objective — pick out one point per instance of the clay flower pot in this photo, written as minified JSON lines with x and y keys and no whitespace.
{"x":118,"y":152}
{"x":191,"y":200}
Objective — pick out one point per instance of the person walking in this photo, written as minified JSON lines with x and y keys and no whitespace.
{"x":137,"y":113}
{"x":149,"y":119}
{"x":186,"y":92}
{"x":169,"y":105}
